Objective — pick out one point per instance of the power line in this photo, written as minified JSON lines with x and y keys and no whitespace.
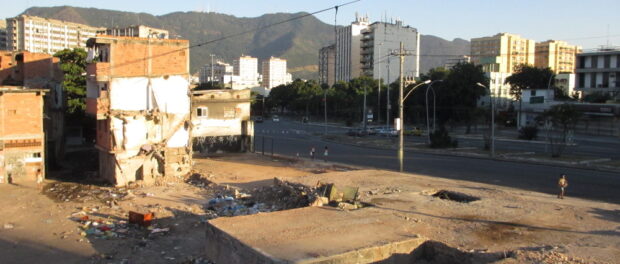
{"x":240,"y":33}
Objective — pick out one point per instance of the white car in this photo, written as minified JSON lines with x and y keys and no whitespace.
{"x":275,"y":118}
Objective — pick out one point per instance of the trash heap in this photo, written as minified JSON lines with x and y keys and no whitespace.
{"x":137,"y":225}
{"x":75,"y":192}
{"x":283,"y":195}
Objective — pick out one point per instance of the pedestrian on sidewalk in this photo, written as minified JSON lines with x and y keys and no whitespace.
{"x":40,"y":179}
{"x":562,"y":183}
{"x":312,"y":151}
{"x":325,"y":154}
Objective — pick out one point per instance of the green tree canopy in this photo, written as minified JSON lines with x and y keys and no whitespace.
{"x":73,"y":65}
{"x":528,"y":77}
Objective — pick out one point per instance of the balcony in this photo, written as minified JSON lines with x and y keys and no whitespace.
{"x":97,"y":107}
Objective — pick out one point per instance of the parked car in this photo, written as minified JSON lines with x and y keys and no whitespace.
{"x":416,"y":131}
{"x":357,"y":132}
{"x":258,"y":119}
{"x":275,"y":118}
{"x":389,"y":132}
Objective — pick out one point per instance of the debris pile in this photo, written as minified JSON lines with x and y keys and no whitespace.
{"x":75,"y":192}
{"x":92,"y":226}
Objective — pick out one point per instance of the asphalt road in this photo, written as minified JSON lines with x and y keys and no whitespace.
{"x":292,"y":138}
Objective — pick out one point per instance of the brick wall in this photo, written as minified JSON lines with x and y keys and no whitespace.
{"x":130,"y":58}
{"x":21,"y":114}
{"x":34,"y":70}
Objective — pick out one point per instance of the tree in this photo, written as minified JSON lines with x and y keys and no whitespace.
{"x":528,"y":77}
{"x":73,"y":65}
{"x":564,"y":118}
{"x":457,"y":96}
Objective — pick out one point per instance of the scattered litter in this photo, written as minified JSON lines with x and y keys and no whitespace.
{"x":9,"y":226}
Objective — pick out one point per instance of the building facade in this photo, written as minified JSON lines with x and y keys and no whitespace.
{"x":348,"y":49}
{"x":274,"y":73}
{"x":449,"y":63}
{"x":599,"y":71}
{"x":222,"y":73}
{"x":502,"y":52}
{"x":378,"y":40}
{"x":557,"y":55}
{"x":3,"y":35}
{"x":42,"y":35}
{"x":22,"y":137}
{"x":138,"y":31}
{"x":139,"y":95}
{"x":246,"y":68}
{"x":221,"y":121}
{"x":327,"y":63}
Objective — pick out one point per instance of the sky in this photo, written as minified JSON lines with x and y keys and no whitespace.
{"x":590,"y":23}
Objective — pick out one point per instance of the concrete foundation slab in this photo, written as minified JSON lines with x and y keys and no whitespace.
{"x":312,"y":235}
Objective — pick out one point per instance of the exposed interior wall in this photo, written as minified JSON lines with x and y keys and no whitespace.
{"x":147,"y":128}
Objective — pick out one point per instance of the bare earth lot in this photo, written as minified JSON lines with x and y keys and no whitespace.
{"x":51,"y":227}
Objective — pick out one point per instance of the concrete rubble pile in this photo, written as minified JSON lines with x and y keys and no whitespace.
{"x":93,"y":226}
{"x":73,"y":192}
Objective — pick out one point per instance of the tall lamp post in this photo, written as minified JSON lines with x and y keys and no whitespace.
{"x":401,"y":132}
{"x":492,"y":119}
{"x":428,"y":127}
{"x":548,"y":98}
{"x":325,"y":112}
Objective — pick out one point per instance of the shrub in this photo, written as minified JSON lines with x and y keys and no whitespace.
{"x":441,"y":139}
{"x":528,"y":132}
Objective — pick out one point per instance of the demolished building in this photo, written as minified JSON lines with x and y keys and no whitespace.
{"x":138,"y":91}
{"x":221,"y":121}
{"x":22,"y":140}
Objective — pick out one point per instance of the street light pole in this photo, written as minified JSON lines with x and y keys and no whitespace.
{"x":212,"y":70}
{"x":401,"y":101}
{"x":364,"y":111}
{"x":378,"y":85}
{"x":492,"y":119}
{"x":548,"y":86}
{"x":387,"y":98}
{"x":428,"y":126}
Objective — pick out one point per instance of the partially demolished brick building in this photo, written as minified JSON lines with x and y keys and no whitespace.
{"x":138,"y":90}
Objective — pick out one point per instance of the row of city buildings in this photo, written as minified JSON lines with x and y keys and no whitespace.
{"x":243,"y":74}
{"x":147,"y":120}
{"x":368,"y":49}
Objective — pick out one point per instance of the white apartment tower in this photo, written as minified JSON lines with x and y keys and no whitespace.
{"x":42,"y":35}
{"x":274,"y":73}
{"x":348,"y":48}
{"x":381,"y":38}
{"x":363,"y":49}
{"x":246,"y":68}
{"x":138,"y":31}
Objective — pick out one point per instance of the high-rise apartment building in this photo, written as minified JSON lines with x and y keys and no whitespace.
{"x":3,"y":36}
{"x":274,"y":73}
{"x":246,"y":68}
{"x":327,"y":63}
{"x":363,"y":49}
{"x":348,"y":49}
{"x":557,"y":55}
{"x":502,"y":52}
{"x":378,"y":40}
{"x":42,"y":35}
{"x":138,"y":31}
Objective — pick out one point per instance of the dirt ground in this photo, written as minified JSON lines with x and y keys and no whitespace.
{"x":58,"y":226}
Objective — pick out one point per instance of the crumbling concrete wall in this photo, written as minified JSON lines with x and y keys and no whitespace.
{"x":221,"y":121}
{"x":138,"y":90}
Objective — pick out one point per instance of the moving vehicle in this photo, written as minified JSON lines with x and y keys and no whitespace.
{"x":275,"y":118}
{"x":389,"y":132}
{"x":258,"y":119}
{"x":357,"y":132}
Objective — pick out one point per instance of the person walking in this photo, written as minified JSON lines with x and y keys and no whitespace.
{"x":312,"y":151}
{"x":325,"y":154}
{"x":562,"y":183}
{"x":40,"y":179}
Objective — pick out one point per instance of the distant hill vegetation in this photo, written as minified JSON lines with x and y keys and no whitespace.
{"x":297,"y":41}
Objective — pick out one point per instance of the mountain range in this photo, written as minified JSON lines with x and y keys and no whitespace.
{"x":298,"y":41}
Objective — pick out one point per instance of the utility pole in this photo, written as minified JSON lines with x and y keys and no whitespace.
{"x":387,"y":105}
{"x":364,"y":111}
{"x":212,"y":70}
{"x":378,"y":85}
{"x":401,"y":133}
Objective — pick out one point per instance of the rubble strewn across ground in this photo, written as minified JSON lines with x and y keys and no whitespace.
{"x":83,"y":223}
